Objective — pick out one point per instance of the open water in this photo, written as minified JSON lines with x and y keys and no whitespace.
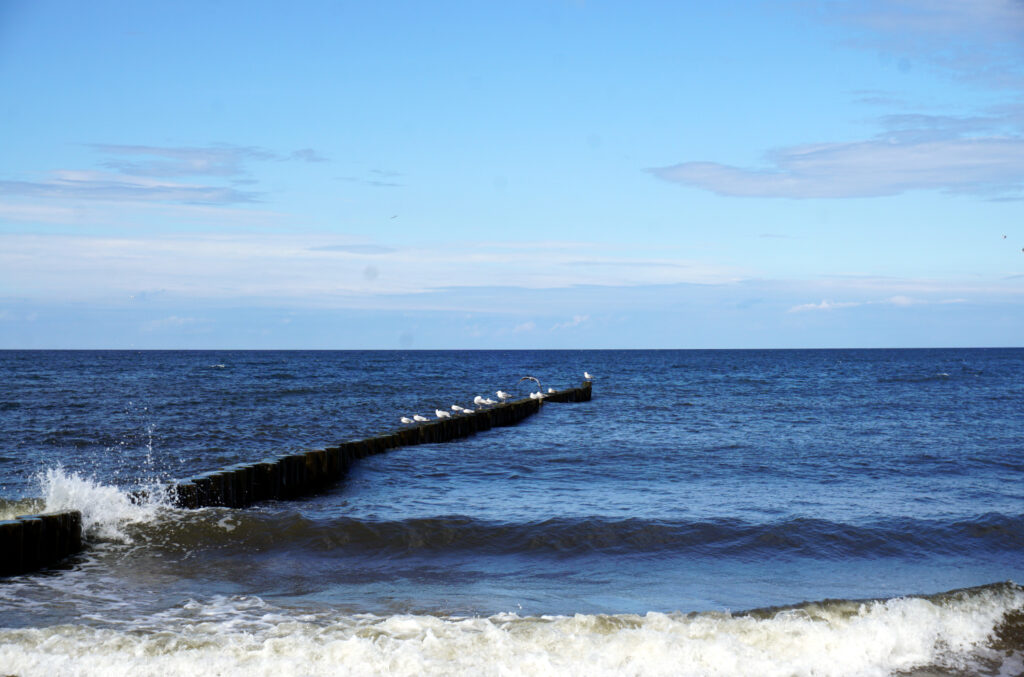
{"x":830,"y":512}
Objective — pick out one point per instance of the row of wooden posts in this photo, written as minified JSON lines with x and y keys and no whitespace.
{"x":296,"y":475}
{"x":33,"y":542}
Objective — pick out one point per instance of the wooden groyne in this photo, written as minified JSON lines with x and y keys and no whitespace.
{"x":295,"y":475}
{"x":33,"y":542}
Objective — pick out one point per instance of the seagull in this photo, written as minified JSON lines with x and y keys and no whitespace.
{"x":551,"y":390}
{"x":536,"y":396}
{"x":406,"y":419}
{"x":529,"y":378}
{"x":441,"y":413}
{"x":479,"y":401}
{"x":419,"y":418}
{"x":456,"y":407}
{"x":502,"y":395}
{"x":587,"y":375}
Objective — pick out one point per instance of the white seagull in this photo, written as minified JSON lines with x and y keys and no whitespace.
{"x":536,"y":396}
{"x":406,"y":419}
{"x":441,"y":413}
{"x":587,"y":375}
{"x":551,"y":390}
{"x":456,"y":407}
{"x":419,"y":418}
{"x":502,"y":395}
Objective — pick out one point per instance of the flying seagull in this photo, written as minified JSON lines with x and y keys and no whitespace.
{"x":529,"y":378}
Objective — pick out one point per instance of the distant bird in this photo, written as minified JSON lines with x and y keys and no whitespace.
{"x":551,"y":390}
{"x":467,"y":410}
{"x":587,"y":375}
{"x":419,"y":418}
{"x":537,"y":396}
{"x":456,"y":407}
{"x":529,"y":378}
{"x":478,"y":401}
{"x":502,"y":395}
{"x":406,"y":419}
{"x":441,"y":413}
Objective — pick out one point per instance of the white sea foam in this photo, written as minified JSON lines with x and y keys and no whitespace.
{"x":244,"y":636}
{"x":105,"y":509}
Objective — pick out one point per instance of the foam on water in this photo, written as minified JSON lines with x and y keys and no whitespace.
{"x":246,"y":636}
{"x":105,"y":509}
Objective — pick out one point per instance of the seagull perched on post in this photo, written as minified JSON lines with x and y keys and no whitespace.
{"x":480,"y":401}
{"x":406,"y":419}
{"x":587,"y":375}
{"x":419,"y":418}
{"x":456,"y":407}
{"x":441,"y":413}
{"x":502,"y":395}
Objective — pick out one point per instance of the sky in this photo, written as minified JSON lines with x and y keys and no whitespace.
{"x":531,"y":174}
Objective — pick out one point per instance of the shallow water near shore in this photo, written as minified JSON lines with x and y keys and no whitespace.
{"x":867,"y":505}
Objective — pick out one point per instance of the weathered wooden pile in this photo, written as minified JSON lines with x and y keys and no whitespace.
{"x":32,"y":542}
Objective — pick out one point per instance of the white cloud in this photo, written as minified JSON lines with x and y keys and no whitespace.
{"x":824,"y":305}
{"x":107,"y":186}
{"x":975,"y":40}
{"x":978,"y":41}
{"x":989,"y":165}
{"x":576,"y":321}
{"x":899,"y":300}
{"x":309,"y":269}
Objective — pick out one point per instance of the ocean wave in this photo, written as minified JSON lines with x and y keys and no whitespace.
{"x":145,"y":513}
{"x":568,"y":537}
{"x":915,"y":378}
{"x":973,"y":631}
{"x":107,"y":511}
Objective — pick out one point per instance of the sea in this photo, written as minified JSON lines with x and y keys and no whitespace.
{"x":708,"y":512}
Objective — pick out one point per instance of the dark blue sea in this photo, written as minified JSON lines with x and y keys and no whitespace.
{"x":804,"y":512}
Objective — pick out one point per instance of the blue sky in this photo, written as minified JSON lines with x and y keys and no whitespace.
{"x":548,"y":174}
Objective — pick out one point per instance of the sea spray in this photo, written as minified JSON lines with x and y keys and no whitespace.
{"x":105,"y":509}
